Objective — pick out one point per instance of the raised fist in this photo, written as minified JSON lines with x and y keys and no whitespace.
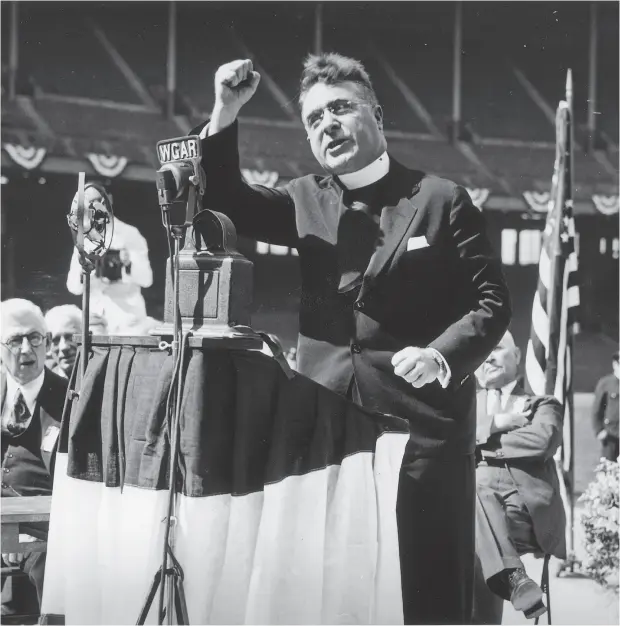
{"x":235,"y":84}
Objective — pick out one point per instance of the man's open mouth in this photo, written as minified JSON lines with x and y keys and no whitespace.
{"x":334,"y":144}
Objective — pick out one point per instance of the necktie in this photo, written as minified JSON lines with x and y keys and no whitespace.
{"x":19,"y":418}
{"x":494,"y":401}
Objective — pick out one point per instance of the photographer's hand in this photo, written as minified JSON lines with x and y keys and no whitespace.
{"x":235,"y":84}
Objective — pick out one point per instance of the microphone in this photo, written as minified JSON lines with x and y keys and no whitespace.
{"x":95,"y":222}
{"x":173,"y":181}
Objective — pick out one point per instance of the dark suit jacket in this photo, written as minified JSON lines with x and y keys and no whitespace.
{"x":528,"y":453}
{"x":449,"y":295}
{"x":605,"y":406}
{"x":48,"y":413}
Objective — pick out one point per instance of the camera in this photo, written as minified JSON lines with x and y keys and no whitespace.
{"x":110,"y":266}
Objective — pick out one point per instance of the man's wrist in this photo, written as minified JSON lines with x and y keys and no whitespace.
{"x":221,"y":118}
{"x":443,"y":373}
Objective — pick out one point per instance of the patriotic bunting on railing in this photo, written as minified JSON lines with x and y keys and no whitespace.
{"x":29,"y":158}
{"x":112,"y":166}
{"x":255,"y":177}
{"x":538,"y":202}
{"x":478,"y":196}
{"x":108,"y":166}
{"x":607,"y":205}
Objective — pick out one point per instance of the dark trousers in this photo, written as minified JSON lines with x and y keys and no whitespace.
{"x":609,"y":448}
{"x":21,"y":595}
{"x":504,"y":531}
{"x":435,"y":514}
{"x":488,"y":606}
{"x":435,"y":517}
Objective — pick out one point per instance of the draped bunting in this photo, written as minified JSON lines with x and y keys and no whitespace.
{"x":478,"y":196}
{"x":285,"y":503}
{"x":607,"y":205}
{"x":109,"y":166}
{"x":265,"y":178}
{"x":538,"y":202}
{"x":28,"y":158}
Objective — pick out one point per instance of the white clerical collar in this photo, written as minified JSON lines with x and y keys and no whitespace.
{"x":30,"y":390}
{"x":367,"y":175}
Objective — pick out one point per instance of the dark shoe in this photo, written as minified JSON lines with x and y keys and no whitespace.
{"x":525,"y":594}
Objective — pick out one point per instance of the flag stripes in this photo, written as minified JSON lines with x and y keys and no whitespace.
{"x":548,"y":363}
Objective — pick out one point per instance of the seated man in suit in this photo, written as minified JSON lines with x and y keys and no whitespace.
{"x":63,"y":322}
{"x":518,"y":508}
{"x":32,"y":403}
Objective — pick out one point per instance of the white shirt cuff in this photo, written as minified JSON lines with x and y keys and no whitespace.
{"x":204,"y":133}
{"x":445,"y":374}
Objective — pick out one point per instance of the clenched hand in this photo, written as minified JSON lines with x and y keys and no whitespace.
{"x":416,"y":365}
{"x":235,"y":84}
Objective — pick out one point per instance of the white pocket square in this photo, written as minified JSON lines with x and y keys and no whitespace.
{"x":415,"y":243}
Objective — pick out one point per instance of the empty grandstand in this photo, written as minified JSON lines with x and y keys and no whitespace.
{"x":469,"y":91}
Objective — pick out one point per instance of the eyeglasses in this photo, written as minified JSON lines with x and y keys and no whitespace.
{"x":15,"y":343}
{"x":337,"y":108}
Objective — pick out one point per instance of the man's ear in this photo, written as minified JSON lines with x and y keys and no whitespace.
{"x":379,"y":116}
{"x":518,"y":355}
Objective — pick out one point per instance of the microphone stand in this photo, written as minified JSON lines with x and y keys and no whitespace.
{"x":85,"y":320}
{"x":85,"y":274}
{"x":101,"y":238}
{"x":171,"y":578}
{"x":173,"y":414}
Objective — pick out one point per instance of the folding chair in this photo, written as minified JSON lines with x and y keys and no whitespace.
{"x":544,"y":585}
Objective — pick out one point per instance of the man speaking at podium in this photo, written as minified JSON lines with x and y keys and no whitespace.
{"x":402,"y":300}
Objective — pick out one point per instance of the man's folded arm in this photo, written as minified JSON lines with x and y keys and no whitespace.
{"x":468,"y":341}
{"x":541,"y":438}
{"x":262,"y":213}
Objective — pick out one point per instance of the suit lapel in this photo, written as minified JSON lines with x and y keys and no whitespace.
{"x":516,"y":401}
{"x":396,"y":217}
{"x":50,"y":427}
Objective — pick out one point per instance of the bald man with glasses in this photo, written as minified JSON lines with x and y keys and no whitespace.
{"x":32,"y":402}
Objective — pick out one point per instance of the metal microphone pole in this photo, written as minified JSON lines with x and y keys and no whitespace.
{"x":85,"y":320}
{"x":166,"y":591}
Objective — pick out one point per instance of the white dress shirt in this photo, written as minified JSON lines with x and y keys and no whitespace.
{"x":30,"y":391}
{"x":506,"y":392}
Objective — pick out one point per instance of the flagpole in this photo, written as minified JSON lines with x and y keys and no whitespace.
{"x":568,"y":353}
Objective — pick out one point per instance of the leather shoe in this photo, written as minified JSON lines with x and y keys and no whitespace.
{"x":525,"y":594}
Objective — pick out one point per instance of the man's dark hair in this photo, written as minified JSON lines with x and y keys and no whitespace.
{"x":616,"y":357}
{"x":332,"y":68}
{"x":102,"y":190}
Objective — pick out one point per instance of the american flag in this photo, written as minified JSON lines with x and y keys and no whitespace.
{"x":548,"y":362}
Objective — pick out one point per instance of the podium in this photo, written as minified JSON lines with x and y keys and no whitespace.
{"x":285,"y":498}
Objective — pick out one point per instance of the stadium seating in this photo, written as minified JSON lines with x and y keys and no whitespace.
{"x":87,"y":55}
{"x":60,"y":52}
